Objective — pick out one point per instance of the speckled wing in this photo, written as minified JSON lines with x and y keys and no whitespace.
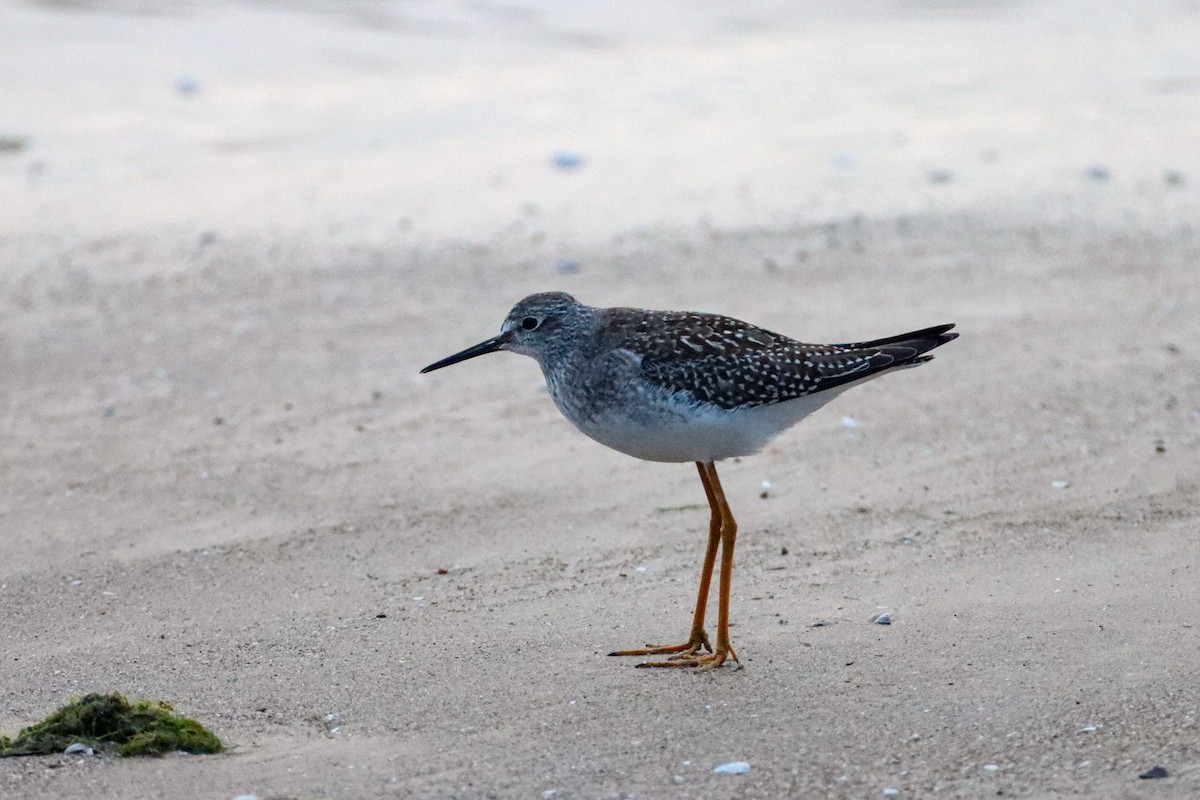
{"x":733,"y":364}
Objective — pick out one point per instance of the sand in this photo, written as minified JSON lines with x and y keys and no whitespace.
{"x":231,"y":234}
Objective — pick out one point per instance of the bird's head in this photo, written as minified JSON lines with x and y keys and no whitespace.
{"x":528,"y":329}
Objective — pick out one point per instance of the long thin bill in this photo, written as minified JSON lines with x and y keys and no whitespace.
{"x":483,"y":348}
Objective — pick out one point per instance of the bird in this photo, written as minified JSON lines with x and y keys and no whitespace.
{"x":680,"y":386}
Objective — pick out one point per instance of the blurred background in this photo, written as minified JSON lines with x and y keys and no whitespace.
{"x":383,"y":120}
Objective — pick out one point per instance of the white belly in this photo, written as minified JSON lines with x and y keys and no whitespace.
{"x":704,"y":434}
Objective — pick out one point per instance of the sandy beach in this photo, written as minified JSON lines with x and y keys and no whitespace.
{"x":232,"y":233}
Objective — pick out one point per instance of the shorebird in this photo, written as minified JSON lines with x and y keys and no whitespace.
{"x":680,"y":386}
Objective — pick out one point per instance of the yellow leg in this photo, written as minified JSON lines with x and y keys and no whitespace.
{"x":698,"y":638}
{"x":724,"y":527}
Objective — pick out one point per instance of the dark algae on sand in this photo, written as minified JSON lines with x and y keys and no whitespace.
{"x":110,"y":722}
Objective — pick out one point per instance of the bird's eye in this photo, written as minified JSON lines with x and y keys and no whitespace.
{"x":530,"y":323}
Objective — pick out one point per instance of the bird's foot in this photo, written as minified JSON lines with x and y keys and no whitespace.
{"x":687,"y":650}
{"x":703,"y":663}
{"x":690,"y":654}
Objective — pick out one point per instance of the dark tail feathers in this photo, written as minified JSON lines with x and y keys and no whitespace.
{"x":906,"y":348}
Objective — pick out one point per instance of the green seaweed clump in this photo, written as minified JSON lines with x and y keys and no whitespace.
{"x":143,"y":728}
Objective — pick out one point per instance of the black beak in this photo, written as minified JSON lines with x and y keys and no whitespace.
{"x":483,"y":348}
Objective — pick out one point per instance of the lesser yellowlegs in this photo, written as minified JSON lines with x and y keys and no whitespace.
{"x":684,"y":386}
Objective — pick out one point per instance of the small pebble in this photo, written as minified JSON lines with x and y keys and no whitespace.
{"x":991,"y":767}
{"x":678,"y":780}
{"x":883,"y":618}
{"x":821,"y":623}
{"x":567,"y":160}
{"x":890,"y":792}
{"x":1060,"y":484}
{"x":733,"y":768}
{"x":850,"y":422}
{"x":766,"y":490}
{"x":1155,"y":772}
{"x":843,"y":159}
{"x":187,"y":85}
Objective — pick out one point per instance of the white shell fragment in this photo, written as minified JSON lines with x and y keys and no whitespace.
{"x":733,"y":768}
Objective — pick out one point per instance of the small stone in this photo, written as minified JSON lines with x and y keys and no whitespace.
{"x":882,"y":618}
{"x":783,"y":551}
{"x":821,"y":623}
{"x":850,"y":422}
{"x":1155,"y":772}
{"x":678,"y":780}
{"x":1061,"y":484}
{"x":991,"y":767}
{"x":187,"y":85}
{"x":843,"y":159}
{"x":890,"y":792}
{"x":567,"y":160}
{"x":766,"y":490}
{"x":1160,"y":446}
{"x":733,"y":768}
